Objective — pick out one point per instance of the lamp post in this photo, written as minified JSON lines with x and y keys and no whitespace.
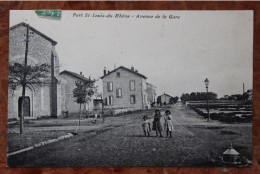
{"x":206,"y":81}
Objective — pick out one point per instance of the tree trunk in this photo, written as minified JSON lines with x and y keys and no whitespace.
{"x":79,"y":113}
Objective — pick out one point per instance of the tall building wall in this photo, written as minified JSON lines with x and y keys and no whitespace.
{"x":40,"y":50}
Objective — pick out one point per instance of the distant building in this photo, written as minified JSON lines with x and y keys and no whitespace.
{"x":151,"y":93}
{"x":250,"y":95}
{"x":165,"y":98}
{"x":44,"y":101}
{"x":124,"y":88}
{"x":68,"y":100}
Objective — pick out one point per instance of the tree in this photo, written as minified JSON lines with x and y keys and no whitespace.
{"x":175,"y":99}
{"x":27,"y":76}
{"x":83,"y":92}
{"x":185,"y":97}
{"x":198,"y":96}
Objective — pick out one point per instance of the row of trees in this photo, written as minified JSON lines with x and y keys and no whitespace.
{"x":197,"y":96}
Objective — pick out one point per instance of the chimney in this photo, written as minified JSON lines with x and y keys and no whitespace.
{"x":136,"y":70}
{"x":105,"y":70}
{"x":132,"y":68}
{"x":80,"y":73}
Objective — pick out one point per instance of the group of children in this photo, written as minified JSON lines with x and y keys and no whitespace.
{"x":157,"y":127}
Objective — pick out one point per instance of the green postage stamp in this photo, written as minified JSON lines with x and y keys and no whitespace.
{"x":50,"y":14}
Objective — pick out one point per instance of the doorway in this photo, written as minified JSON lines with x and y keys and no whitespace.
{"x":26,"y":106}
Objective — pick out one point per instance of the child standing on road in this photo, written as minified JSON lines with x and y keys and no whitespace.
{"x":168,"y":126}
{"x":157,"y":123}
{"x":146,"y":126}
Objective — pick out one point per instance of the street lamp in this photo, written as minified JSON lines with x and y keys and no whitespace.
{"x":206,"y":81}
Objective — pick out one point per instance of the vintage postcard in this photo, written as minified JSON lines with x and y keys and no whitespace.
{"x":130,"y":88}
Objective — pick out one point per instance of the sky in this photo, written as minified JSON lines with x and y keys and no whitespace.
{"x":176,"y":55}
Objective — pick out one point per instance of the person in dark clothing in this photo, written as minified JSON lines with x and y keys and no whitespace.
{"x":157,"y":123}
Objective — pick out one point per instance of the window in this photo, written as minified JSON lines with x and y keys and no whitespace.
{"x":132,"y":85}
{"x":109,"y":86}
{"x":132,"y":99}
{"x":109,"y":100}
{"x":119,"y":93}
{"x":118,"y":74}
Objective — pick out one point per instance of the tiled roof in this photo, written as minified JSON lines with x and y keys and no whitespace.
{"x":127,"y":69}
{"x":34,"y":30}
{"x":75,"y":75}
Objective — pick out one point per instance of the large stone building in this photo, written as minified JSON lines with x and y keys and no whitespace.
{"x":125,"y":89}
{"x":68,"y":103}
{"x":44,"y":101}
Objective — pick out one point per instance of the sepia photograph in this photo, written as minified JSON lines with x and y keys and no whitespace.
{"x":112,"y":88}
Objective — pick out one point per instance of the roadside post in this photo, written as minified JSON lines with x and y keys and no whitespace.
{"x":207,"y":86}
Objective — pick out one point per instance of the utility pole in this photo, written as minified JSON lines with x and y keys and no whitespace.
{"x":24,"y":80}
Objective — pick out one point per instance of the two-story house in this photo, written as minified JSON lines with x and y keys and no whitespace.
{"x":124,"y":88}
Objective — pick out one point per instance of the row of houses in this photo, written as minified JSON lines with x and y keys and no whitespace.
{"x":123,"y":88}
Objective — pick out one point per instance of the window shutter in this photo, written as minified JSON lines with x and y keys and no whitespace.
{"x":117,"y":92}
{"x":120,"y":92}
{"x":132,"y":85}
{"x":111,"y":86}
